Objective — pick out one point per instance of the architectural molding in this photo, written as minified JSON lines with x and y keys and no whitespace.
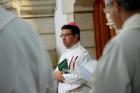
{"x":34,"y":8}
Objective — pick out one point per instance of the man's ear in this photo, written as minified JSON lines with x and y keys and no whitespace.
{"x":77,"y":36}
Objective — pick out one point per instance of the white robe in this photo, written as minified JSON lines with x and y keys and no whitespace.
{"x":24,"y":65}
{"x":73,"y":83}
{"x":118,"y":70}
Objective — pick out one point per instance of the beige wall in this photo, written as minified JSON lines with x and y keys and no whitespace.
{"x":84,"y":20}
{"x":41,"y":14}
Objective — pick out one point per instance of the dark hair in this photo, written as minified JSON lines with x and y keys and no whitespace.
{"x":74,"y":29}
{"x":130,"y":5}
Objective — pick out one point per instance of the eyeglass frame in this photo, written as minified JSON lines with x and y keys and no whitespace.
{"x":65,"y":35}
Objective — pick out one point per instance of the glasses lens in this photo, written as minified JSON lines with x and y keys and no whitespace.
{"x":66,"y":35}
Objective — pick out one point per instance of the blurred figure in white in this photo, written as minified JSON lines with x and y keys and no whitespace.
{"x":118,"y":69}
{"x":24,"y":65}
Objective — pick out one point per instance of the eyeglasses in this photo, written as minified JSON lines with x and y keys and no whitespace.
{"x":65,"y":35}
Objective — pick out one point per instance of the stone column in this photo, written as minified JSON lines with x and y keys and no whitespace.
{"x":64,"y":14}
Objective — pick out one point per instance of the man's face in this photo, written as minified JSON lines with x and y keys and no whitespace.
{"x":68,"y":38}
{"x":112,"y":12}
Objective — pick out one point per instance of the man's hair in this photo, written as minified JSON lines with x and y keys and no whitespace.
{"x":129,"y":5}
{"x":108,"y":2}
{"x":74,"y":29}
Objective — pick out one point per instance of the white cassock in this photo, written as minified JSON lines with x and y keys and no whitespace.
{"x":73,"y":83}
{"x":118,"y":70}
{"x":24,"y":65}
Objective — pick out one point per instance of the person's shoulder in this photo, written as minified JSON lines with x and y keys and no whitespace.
{"x":81,"y":50}
{"x":22,"y":23}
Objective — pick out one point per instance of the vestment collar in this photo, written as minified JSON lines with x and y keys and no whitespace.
{"x":132,"y":22}
{"x":73,"y":47}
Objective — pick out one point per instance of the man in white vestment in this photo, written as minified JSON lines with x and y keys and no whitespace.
{"x":118,"y":70}
{"x":75,"y":56}
{"x":24,"y":64}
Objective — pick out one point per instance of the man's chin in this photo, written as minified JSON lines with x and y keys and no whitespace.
{"x":67,"y":46}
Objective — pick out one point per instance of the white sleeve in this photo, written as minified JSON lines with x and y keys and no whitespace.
{"x":75,"y":77}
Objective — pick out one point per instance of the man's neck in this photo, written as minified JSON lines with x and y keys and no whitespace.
{"x":74,"y":45}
